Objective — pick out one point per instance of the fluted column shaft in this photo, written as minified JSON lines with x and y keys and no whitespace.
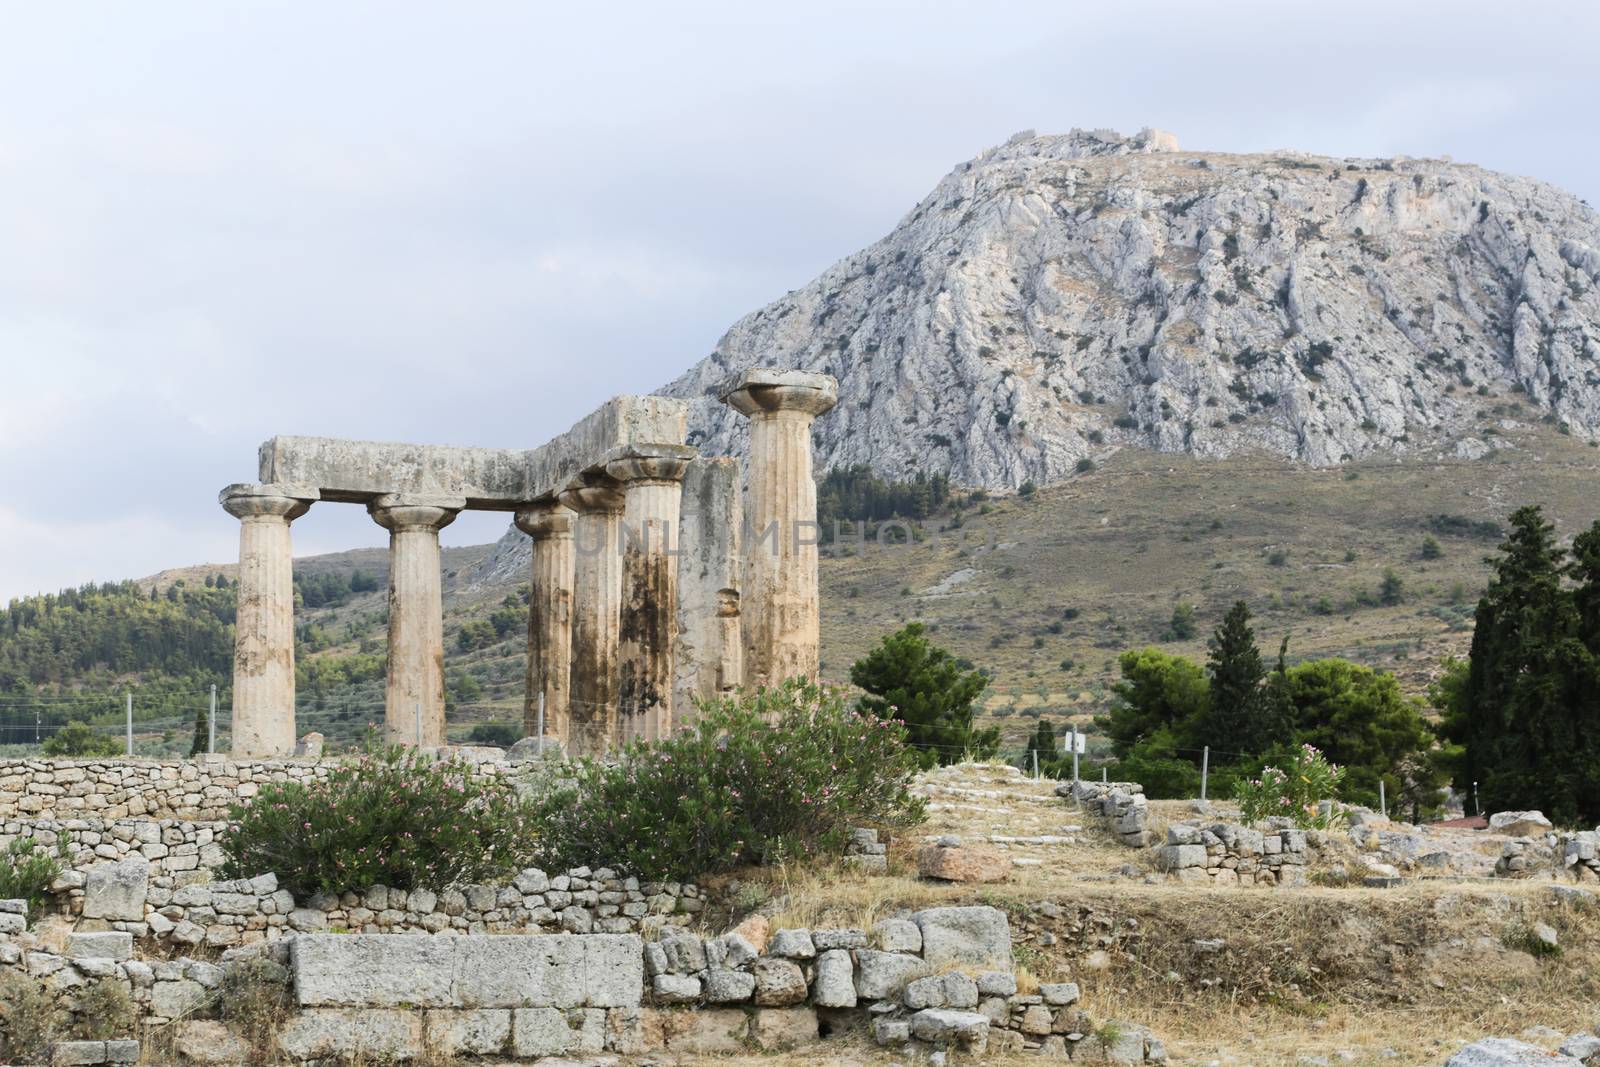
{"x":782,"y":617}
{"x":649,"y":612}
{"x":596,"y":617}
{"x":263,"y":656}
{"x":549,"y":620}
{"x":414,"y":694}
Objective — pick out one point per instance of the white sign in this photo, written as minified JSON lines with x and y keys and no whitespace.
{"x":1077,"y":742}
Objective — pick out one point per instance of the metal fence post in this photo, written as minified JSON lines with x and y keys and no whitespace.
{"x":1383,"y":800}
{"x":1205,"y":768}
{"x":211,"y":724}
{"x":130,"y":723}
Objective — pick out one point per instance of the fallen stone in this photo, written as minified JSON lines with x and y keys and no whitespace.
{"x":1520,"y":823}
{"x":966,"y":863}
{"x":1507,"y":1052}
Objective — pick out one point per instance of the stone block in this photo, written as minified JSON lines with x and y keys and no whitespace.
{"x":175,"y":1000}
{"x":784,"y":1028}
{"x":467,"y":1032}
{"x":792,"y":944}
{"x":1178,"y":857}
{"x":882,"y":975}
{"x":834,"y":984}
{"x":968,"y":1030}
{"x":375,"y":971}
{"x":675,"y":989}
{"x":850,"y":937}
{"x":107,"y":945}
{"x":974,"y":937}
{"x":779,"y":982}
{"x":965,"y":863}
{"x":898,"y":935}
{"x":887,"y":1030}
{"x":554,"y":1032}
{"x":1059,"y":994}
{"x":12,"y":923}
{"x":997,"y":984}
{"x":1520,"y":823}
{"x":332,"y":1033}
{"x":723,"y":986}
{"x":116,"y":891}
{"x":706,"y":1032}
{"x":209,"y":1041}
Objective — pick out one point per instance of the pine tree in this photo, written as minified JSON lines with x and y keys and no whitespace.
{"x":1525,"y":717}
{"x":910,"y":679}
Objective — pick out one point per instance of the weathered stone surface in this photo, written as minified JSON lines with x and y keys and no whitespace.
{"x":488,"y":478}
{"x":333,"y":1032}
{"x":712,"y":1031}
{"x":209,"y":1041}
{"x":783,"y":1028}
{"x":723,"y":986}
{"x":967,"y":1029}
{"x":1520,"y":823}
{"x":882,"y":975}
{"x":779,"y":982}
{"x":174,"y":1000}
{"x":116,"y":891}
{"x":467,"y":1032}
{"x":898,"y":935}
{"x":1059,"y":994}
{"x":108,"y":945}
{"x":834,"y":984}
{"x":708,"y":653}
{"x":976,"y":937}
{"x":963,"y":863}
{"x":373,"y":970}
{"x":552,"y":1031}
{"x":792,"y":944}
{"x":1506,"y":1052}
{"x":675,"y":989}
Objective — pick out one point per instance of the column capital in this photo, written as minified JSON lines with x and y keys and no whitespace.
{"x":762,"y":392}
{"x":603,"y":497}
{"x":256,"y":501}
{"x":406,"y":511}
{"x":545,"y":520}
{"x":660,"y":464}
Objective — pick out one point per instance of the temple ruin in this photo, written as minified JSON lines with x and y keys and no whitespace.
{"x":659,"y":575}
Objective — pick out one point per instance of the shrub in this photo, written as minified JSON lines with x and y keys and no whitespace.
{"x":1182,"y":626}
{"x":1392,"y":590}
{"x":759,"y":778}
{"x":1431,"y":548}
{"x":27,"y":869}
{"x":81,"y":739}
{"x":105,"y":1011}
{"x":503,"y":734}
{"x":1084,"y":466}
{"x":391,"y":817}
{"x":30,"y":1019}
{"x":1296,"y":792}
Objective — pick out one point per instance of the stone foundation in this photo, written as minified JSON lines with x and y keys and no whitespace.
{"x":1120,"y":805}
{"x":1228,"y":854}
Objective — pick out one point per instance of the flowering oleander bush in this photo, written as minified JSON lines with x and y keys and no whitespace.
{"x":391,"y":817}
{"x":1296,"y":790}
{"x":758,"y":778}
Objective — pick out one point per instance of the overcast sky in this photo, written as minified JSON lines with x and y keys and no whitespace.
{"x":469,"y":223}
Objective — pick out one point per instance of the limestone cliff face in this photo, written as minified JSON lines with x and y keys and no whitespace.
{"x":1059,"y":297}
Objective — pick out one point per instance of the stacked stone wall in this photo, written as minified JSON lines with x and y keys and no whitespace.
{"x":1120,"y":806}
{"x":1229,"y":854}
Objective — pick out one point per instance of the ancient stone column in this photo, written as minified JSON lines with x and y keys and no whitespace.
{"x":263,"y":652}
{"x":549,"y":619}
{"x":708,"y":656}
{"x":596,"y":615}
{"x":414,"y":695}
{"x":652,"y":477}
{"x":782,"y":620}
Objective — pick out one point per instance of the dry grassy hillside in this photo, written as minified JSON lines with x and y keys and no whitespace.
{"x":1116,"y":549}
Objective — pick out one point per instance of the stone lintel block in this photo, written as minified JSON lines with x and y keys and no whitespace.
{"x":104,"y":945}
{"x":496,"y":479}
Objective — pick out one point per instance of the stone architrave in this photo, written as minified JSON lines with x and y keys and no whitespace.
{"x":414,"y":695}
{"x":597,"y":606}
{"x":549,"y":619}
{"x":263,"y":656}
{"x":652,"y":478}
{"x":781,"y":616}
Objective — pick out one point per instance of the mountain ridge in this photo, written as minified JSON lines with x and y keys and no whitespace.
{"x":1057,"y":298}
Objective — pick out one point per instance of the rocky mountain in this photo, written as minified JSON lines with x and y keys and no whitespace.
{"x":1060,"y":297}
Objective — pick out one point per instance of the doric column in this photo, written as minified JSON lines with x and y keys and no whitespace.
{"x":708,"y":658}
{"x":414,"y":695}
{"x":782,"y":621}
{"x":596,"y":615}
{"x":549,"y":619}
{"x":652,"y":477}
{"x":263,"y":651}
